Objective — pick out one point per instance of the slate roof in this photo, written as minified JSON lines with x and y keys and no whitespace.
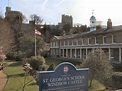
{"x":84,"y":34}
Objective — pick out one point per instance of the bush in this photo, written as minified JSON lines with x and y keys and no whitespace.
{"x":18,"y":56}
{"x":37,"y":63}
{"x":98,"y":64}
{"x":117,"y":80}
{"x":51,"y":67}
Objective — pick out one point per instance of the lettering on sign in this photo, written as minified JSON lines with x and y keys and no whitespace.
{"x":64,"y":78}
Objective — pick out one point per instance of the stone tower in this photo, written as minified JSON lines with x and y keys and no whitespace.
{"x":8,"y":9}
{"x":67,"y":20}
{"x":14,"y":17}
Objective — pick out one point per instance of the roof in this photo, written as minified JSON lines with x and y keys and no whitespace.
{"x":115,"y":28}
{"x":83,"y":34}
{"x":92,"y":18}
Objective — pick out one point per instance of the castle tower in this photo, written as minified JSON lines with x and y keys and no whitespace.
{"x":8,"y":9}
{"x":92,"y":23}
{"x":67,"y":20}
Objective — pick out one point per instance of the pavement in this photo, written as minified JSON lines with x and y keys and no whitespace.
{"x":3,"y":80}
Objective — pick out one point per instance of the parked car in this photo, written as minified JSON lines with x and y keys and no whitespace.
{"x":1,"y":66}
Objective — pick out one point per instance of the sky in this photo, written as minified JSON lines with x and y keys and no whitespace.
{"x":81,"y":10}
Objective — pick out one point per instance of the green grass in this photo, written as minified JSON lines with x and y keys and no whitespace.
{"x":97,"y":86}
{"x":16,"y":77}
{"x":57,"y":61}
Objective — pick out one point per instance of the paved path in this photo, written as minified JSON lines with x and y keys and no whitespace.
{"x":3,"y":80}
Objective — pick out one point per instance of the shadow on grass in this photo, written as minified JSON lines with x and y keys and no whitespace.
{"x":57,"y":61}
{"x":15,"y":64}
{"x":17,"y":75}
{"x":33,"y":83}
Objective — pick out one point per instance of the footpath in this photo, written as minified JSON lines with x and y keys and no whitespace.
{"x":3,"y":80}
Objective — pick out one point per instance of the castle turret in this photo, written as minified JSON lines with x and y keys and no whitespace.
{"x":8,"y":9}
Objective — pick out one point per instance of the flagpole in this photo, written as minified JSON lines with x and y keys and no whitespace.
{"x":35,"y":44}
{"x":39,"y":33}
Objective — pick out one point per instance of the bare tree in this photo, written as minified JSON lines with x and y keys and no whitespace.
{"x":36,"y":18}
{"x":99,"y":65}
{"x":24,"y":19}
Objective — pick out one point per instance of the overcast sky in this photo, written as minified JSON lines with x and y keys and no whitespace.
{"x":81,"y":10}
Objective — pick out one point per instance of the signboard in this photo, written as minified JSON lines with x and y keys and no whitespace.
{"x":64,"y":78}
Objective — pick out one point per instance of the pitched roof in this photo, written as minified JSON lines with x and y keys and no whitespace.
{"x":83,"y":34}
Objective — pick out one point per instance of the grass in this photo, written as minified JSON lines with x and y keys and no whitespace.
{"x":57,"y":61}
{"x":97,"y":86}
{"x":16,"y":78}
{"x":16,"y":75}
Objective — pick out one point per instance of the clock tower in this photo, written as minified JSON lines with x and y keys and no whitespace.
{"x":92,"y":23}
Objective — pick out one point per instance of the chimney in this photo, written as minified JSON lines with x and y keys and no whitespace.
{"x":32,"y":22}
{"x":63,"y":33}
{"x":109,"y":24}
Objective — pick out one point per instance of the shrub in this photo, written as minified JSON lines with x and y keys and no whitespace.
{"x":98,"y":64}
{"x":117,"y":80}
{"x":18,"y":55}
{"x":51,"y":67}
{"x":37,"y":63}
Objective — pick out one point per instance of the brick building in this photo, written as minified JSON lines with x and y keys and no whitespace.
{"x":78,"y":46}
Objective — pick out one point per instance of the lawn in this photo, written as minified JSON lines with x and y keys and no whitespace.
{"x":57,"y":61}
{"x":16,"y":75}
{"x":16,"y":78}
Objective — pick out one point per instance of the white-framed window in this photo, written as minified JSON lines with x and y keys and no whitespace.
{"x":89,"y":41}
{"x":82,"y":41}
{"x":68,"y":42}
{"x":96,"y":40}
{"x":56,"y":44}
{"x":51,"y":44}
{"x":104,"y":39}
{"x":72,"y":42}
{"x":113,"y":38}
{"x":76,"y":41}
{"x":60,"y":43}
{"x":64,"y":43}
